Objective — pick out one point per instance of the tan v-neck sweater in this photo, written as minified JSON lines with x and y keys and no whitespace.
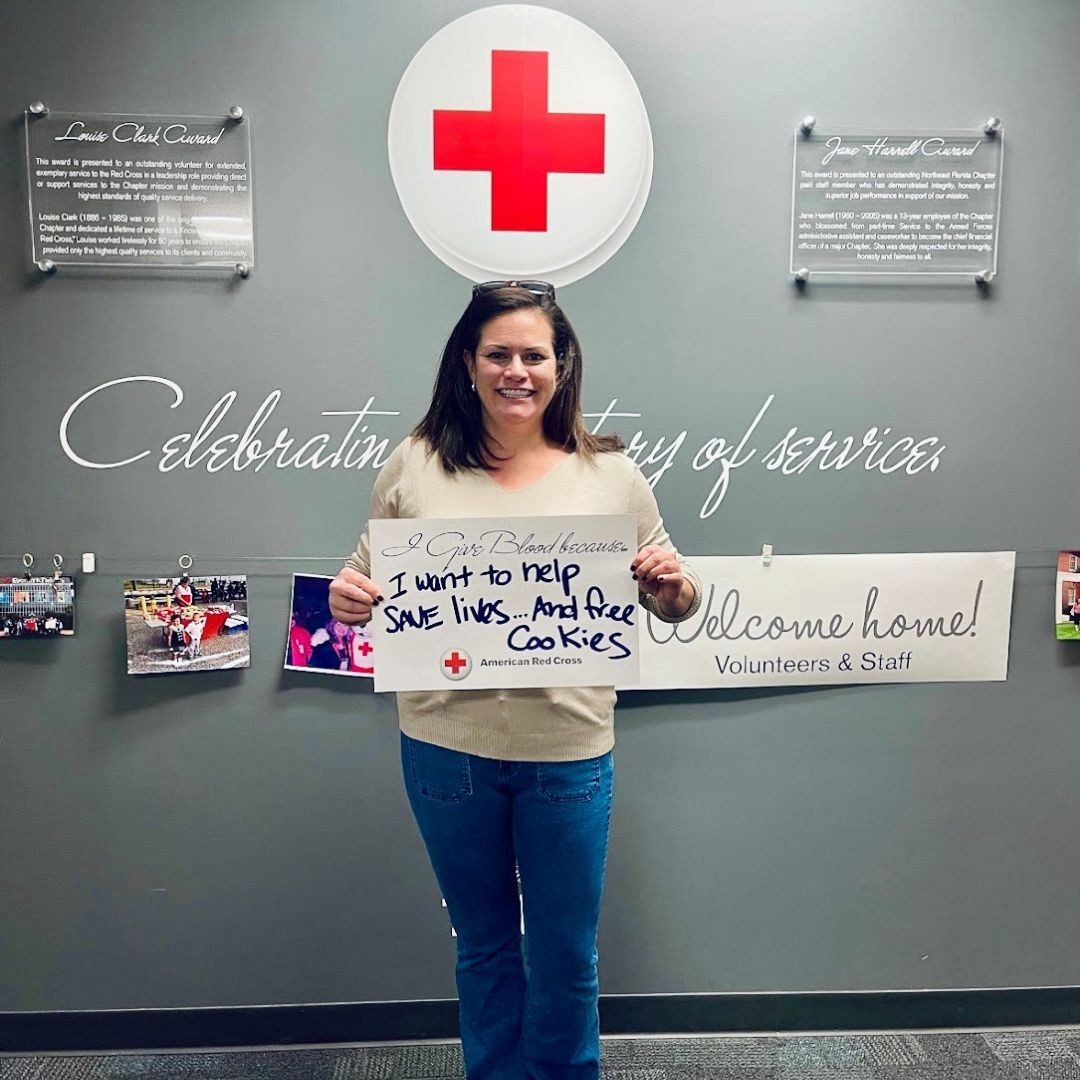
{"x":563,"y":723}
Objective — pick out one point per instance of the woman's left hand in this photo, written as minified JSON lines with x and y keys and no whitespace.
{"x":659,"y":575}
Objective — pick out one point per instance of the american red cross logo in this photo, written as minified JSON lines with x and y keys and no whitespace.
{"x":518,"y":141}
{"x":365,"y":649}
{"x":455,"y":662}
{"x":520,"y":147}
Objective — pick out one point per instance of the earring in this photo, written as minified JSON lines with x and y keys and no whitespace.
{"x":473,"y":385}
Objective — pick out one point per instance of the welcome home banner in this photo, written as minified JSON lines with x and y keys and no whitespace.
{"x":818,"y":619}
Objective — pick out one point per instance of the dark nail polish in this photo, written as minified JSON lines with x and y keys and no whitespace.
{"x":380,"y":597}
{"x":634,"y":576}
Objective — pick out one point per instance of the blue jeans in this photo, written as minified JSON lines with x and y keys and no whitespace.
{"x":528,"y":1006}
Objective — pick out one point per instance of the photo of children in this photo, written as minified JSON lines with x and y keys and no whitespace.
{"x":188,"y":623}
{"x":1067,"y":616}
{"x":317,"y":642}
{"x":37,"y":607}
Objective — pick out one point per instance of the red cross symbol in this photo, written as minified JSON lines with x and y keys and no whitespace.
{"x":518,"y":141}
{"x":455,"y":663}
{"x":365,"y":649}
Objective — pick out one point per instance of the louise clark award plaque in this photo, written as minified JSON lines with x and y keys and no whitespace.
{"x":139,"y":191}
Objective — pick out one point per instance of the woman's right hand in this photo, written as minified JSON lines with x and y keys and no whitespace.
{"x":352,"y":596}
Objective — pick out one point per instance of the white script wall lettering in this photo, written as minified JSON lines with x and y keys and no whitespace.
{"x":358,"y":441}
{"x":353,"y":450}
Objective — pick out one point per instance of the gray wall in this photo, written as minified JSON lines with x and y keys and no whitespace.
{"x":242,"y":838}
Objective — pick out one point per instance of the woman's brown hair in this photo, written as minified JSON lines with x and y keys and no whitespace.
{"x":453,"y":425}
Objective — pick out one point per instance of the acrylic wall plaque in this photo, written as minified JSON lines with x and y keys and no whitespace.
{"x":139,"y":191}
{"x":913,"y":203}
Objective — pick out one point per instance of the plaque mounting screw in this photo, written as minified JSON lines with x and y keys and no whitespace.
{"x":806,"y":124}
{"x":984,"y":277}
{"x":802,"y":275}
{"x":242,"y":270}
{"x":236,"y":112}
{"x":39,"y":108}
{"x":46,"y":266}
{"x":992,"y":126}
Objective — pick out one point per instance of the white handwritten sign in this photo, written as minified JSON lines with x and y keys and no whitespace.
{"x":477,"y":603}
{"x":809,"y":619}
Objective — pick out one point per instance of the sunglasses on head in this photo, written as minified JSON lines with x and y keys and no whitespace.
{"x":543,"y":289}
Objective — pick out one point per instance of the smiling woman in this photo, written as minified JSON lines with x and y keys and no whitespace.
{"x":514,"y":373}
{"x":507,"y":396}
{"x":504,"y":436}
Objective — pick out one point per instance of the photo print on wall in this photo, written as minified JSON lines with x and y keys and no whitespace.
{"x":188,"y":623}
{"x":1067,"y":615}
{"x":37,"y":607}
{"x":317,"y":642}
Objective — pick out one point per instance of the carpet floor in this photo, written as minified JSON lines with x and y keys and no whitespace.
{"x":1028,"y":1054}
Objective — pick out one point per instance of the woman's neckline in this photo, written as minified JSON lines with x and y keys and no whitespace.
{"x":532,"y":483}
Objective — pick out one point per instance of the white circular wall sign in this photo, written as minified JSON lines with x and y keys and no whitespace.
{"x":520,"y":146}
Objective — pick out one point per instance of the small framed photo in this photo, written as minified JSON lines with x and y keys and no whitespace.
{"x":37,"y":607}
{"x":1067,"y":607}
{"x":317,"y":642}
{"x":184,"y":624}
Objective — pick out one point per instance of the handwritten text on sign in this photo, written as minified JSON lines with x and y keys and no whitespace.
{"x":476,"y":603}
{"x":809,"y":619}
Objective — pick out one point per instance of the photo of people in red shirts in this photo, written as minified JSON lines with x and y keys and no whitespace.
{"x":317,"y":642}
{"x":37,"y":607}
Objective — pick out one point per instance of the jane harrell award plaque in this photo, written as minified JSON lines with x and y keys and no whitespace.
{"x":139,"y":191}
{"x":914,"y":203}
